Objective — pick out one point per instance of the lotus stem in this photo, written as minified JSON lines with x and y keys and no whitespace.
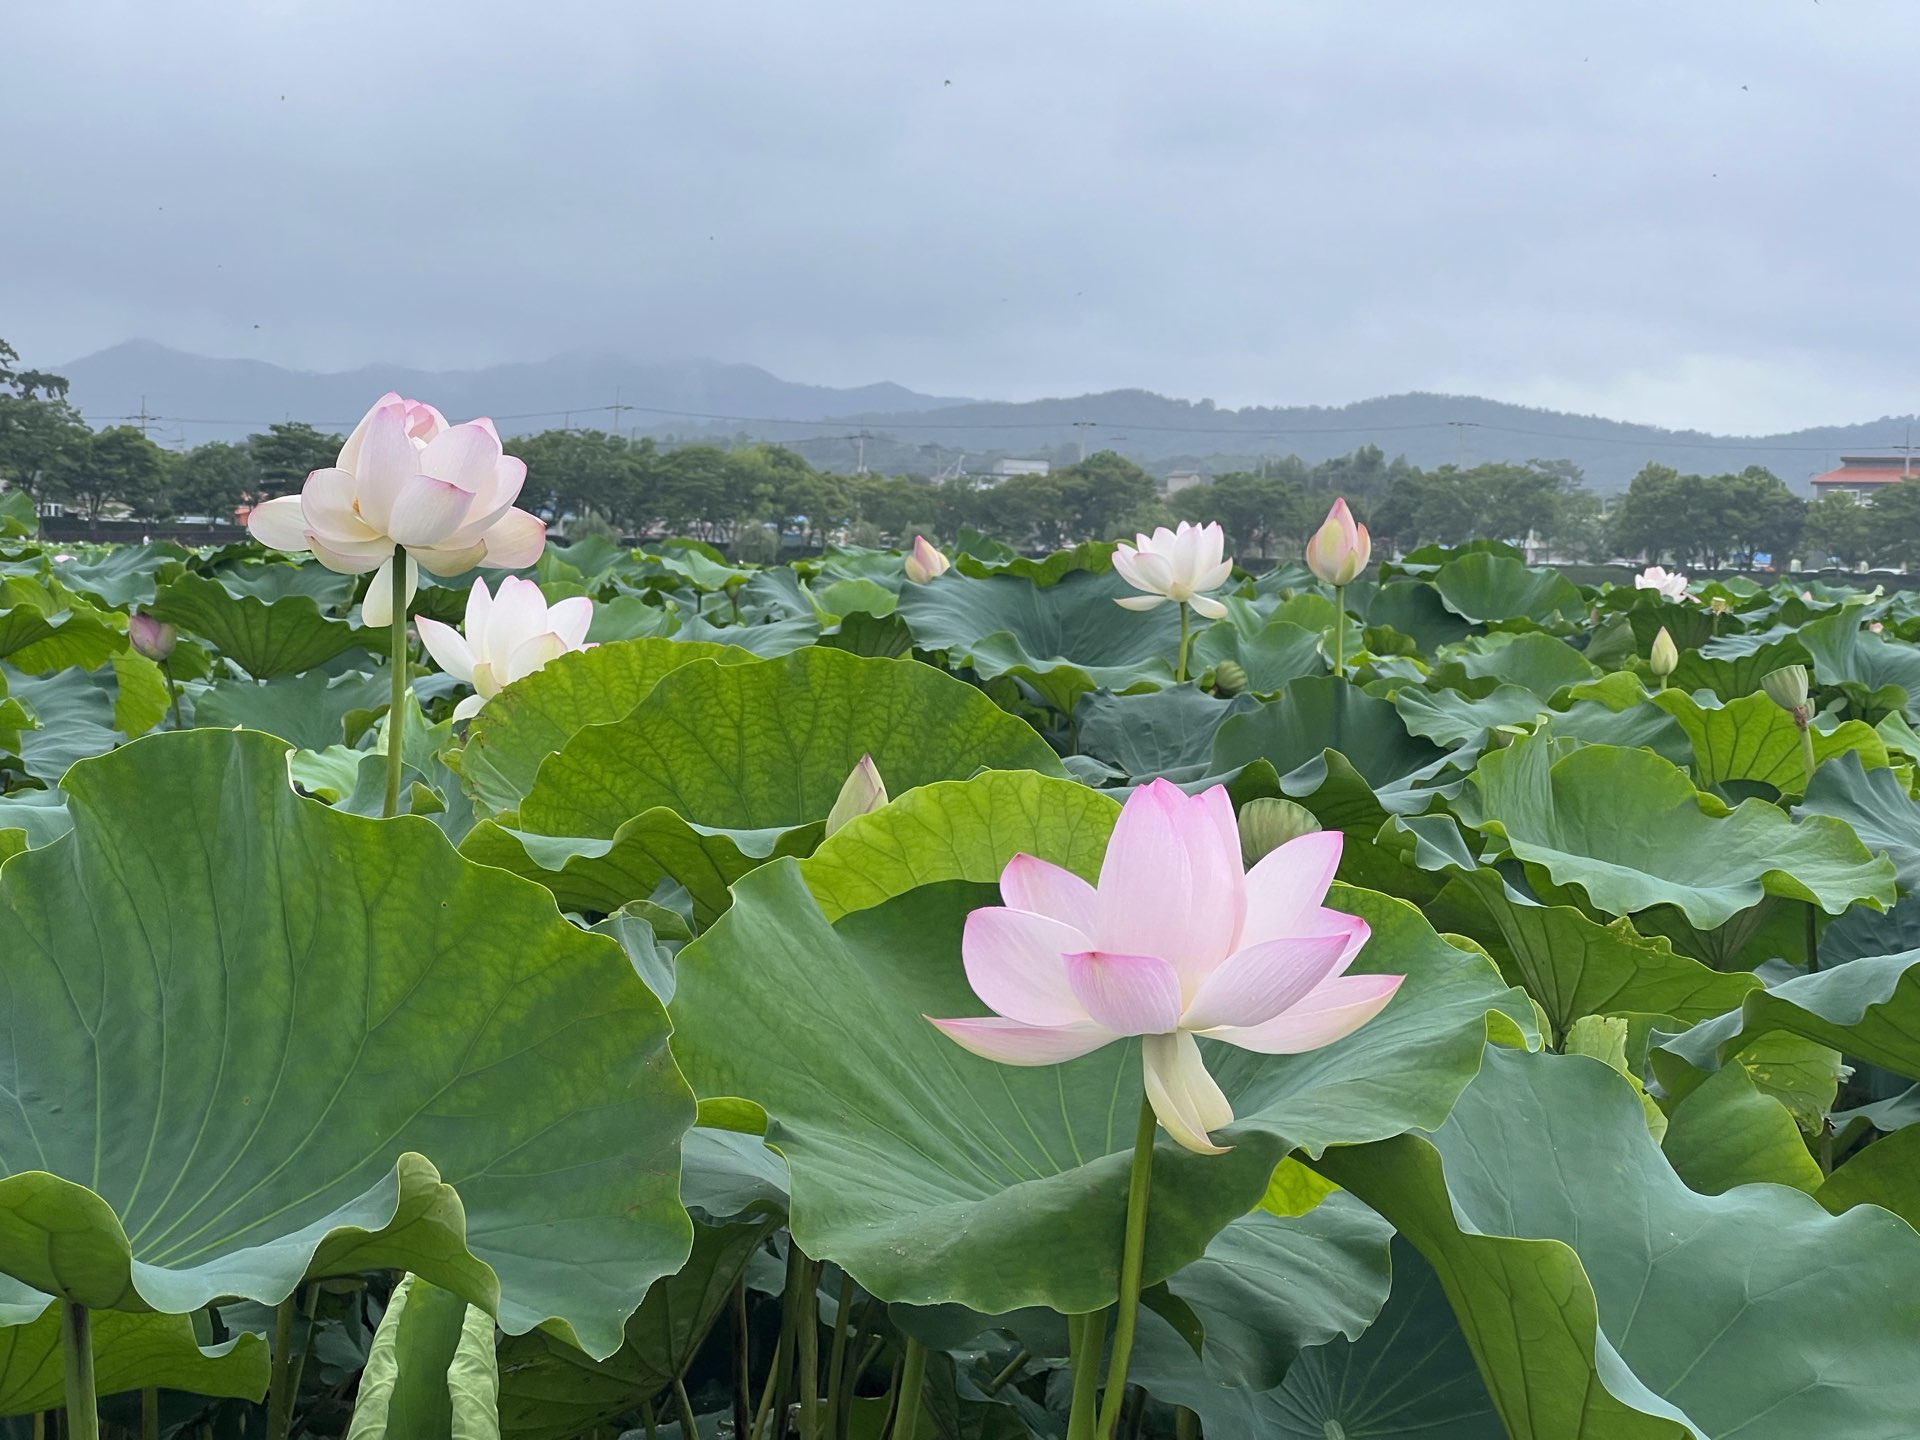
{"x":149,"y":1414}
{"x":173,"y":693}
{"x":1012,"y":1368}
{"x":1132,"y":1260}
{"x":647,"y":1419}
{"x":306,"y":1344}
{"x":1086,"y":1338}
{"x":397,"y":703}
{"x":1339,"y":629}
{"x":1813,"y":938}
{"x":743,"y":1362}
{"x":807,"y":1349}
{"x":689,"y":1423}
{"x":76,"y":1354}
{"x":764,"y":1410}
{"x":913,"y":1379}
{"x":1186,"y":639}
{"x":1186,"y":1424}
{"x":837,"y":1356}
{"x":280,"y":1385}
{"x":1807,"y":761}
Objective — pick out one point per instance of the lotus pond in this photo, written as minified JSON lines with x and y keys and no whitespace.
{"x":593,"y":1093}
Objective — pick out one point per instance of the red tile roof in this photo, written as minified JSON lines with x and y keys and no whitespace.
{"x":1865,"y":475}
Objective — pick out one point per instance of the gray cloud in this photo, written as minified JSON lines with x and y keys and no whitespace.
{"x":1691,"y":214}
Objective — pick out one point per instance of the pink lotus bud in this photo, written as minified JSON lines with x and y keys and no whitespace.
{"x":1340,"y":548}
{"x":150,"y":637}
{"x":863,"y":793}
{"x":924,"y":561}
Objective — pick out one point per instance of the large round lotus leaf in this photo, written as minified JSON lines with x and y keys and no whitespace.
{"x":770,"y":744}
{"x":1605,"y":1300}
{"x":130,"y":1352}
{"x":934,"y":1176}
{"x":1754,"y":739}
{"x":287,"y":1041}
{"x":1064,"y":639}
{"x":1161,"y":733}
{"x":1843,"y":651}
{"x":1482,"y":587}
{"x":1733,"y":665}
{"x":1319,"y":713}
{"x":1539,"y":664}
{"x":310,"y":710}
{"x":1630,"y":830}
{"x":1271,"y":655}
{"x":534,"y":716}
{"x":42,"y":632}
{"x":1417,"y":610}
{"x":1451,"y":717}
{"x":123,"y":575}
{"x":282,"y":637}
{"x":959,"y":830}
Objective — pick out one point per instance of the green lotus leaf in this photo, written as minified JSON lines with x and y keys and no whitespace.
{"x":1726,"y":1132}
{"x":1603,"y":1298}
{"x":1845,"y":652}
{"x":1164,"y":732}
{"x":1734,"y":665}
{"x":1539,"y":664}
{"x":431,"y":1373}
{"x":936,"y":1177}
{"x":1483,"y":587}
{"x":228,"y":1078}
{"x":41,"y":632}
{"x":768,"y":640}
{"x":1754,"y":739}
{"x":75,"y":714}
{"x":1318,"y":714}
{"x":130,"y":1352}
{"x":756,"y":747}
{"x":1409,"y":1376}
{"x":1417,"y":610}
{"x":275,"y":579}
{"x":264,"y":638}
{"x":1272,"y":655}
{"x":1629,"y":830}
{"x":1868,"y":1008}
{"x":959,"y":830}
{"x":551,"y":1391}
{"x":122,"y":576}
{"x":1063,"y":639}
{"x":533,"y":717}
{"x":309,"y":710}
{"x":1450,"y":717}
{"x":1876,"y":805}
{"x":1571,"y":964}
{"x":1885,"y":1173}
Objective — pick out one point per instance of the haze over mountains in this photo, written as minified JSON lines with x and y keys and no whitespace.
{"x":192,"y":398}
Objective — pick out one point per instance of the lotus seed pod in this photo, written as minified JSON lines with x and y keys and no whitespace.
{"x":1787,"y":687}
{"x":1229,"y":678}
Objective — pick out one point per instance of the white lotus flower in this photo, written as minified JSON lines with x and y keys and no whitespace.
{"x":509,"y":635}
{"x":1670,"y":583}
{"x":406,"y":478}
{"x":1176,"y":565}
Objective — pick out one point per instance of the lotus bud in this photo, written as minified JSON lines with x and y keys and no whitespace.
{"x":1266,"y":824}
{"x":1229,"y":678}
{"x":1340,"y":548}
{"x":150,"y":637}
{"x":1719,"y":605}
{"x":864,"y":792}
{"x":923,"y":562}
{"x":1665,"y":656}
{"x":1787,"y":688}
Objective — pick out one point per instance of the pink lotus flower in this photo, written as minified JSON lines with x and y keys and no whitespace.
{"x":1340,"y":548}
{"x":509,"y":636}
{"x":1175,"y":941}
{"x":406,"y":478}
{"x":1670,"y":583}
{"x":150,"y":637}
{"x":924,"y":561}
{"x":1176,"y":565}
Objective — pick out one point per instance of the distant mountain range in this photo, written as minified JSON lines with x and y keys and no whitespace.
{"x":195,"y":398}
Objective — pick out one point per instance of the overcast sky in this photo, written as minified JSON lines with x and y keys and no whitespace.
{"x":1691,"y":212}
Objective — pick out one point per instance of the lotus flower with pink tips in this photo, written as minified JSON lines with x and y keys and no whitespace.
{"x":406,"y":478}
{"x":509,"y":635}
{"x":1176,"y":941}
{"x":1178,"y":565}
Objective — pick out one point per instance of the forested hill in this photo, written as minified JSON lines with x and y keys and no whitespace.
{"x":196,"y":399}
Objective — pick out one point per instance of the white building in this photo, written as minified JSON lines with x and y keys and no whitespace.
{"x":1002,"y":469}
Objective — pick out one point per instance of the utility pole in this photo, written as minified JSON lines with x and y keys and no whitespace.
{"x":860,"y":462}
{"x":617,"y":408}
{"x":1083,"y":426}
{"x":143,"y":417}
{"x":1460,"y":429}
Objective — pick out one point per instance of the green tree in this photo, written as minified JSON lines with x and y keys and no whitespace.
{"x":1839,"y":528}
{"x":1258,"y":512}
{"x":39,"y":430}
{"x":291,"y":451}
{"x":1100,"y":494}
{"x":1896,"y":522}
{"x":117,"y":465}
{"x":211,"y":479}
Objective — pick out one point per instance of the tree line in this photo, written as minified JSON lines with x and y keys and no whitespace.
{"x":749,"y":494}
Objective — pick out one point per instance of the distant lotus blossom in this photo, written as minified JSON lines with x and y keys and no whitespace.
{"x":1875,"y":626}
{"x":406,"y":478}
{"x":1176,"y":941}
{"x":1177,"y":565}
{"x":508,"y":636}
{"x":1340,"y":548}
{"x":1670,"y":583}
{"x":924,"y":561}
